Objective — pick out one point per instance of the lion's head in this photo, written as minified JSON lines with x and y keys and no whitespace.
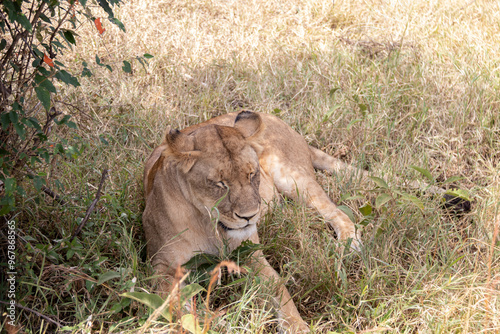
{"x":211,"y":167}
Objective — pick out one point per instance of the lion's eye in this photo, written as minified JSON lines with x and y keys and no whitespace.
{"x":252,"y":175}
{"x":221,"y":184}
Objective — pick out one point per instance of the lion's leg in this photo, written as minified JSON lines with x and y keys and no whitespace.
{"x":326,"y":162}
{"x":301,"y":184}
{"x":315,"y":197}
{"x":289,"y":317}
{"x":163,"y":279}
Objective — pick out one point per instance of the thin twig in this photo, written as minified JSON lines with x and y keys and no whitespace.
{"x":74,"y":106}
{"x":92,"y":205}
{"x":52,"y":194}
{"x":51,"y":53}
{"x":35,"y":312}
{"x":46,"y":189}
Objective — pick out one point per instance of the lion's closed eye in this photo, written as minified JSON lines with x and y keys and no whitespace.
{"x":221,"y":184}
{"x":253,"y":175}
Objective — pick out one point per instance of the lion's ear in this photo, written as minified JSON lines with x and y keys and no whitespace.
{"x":181,"y":147}
{"x":179,"y":141}
{"x":248,"y":123}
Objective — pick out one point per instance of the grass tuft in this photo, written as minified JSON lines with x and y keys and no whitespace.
{"x":384,"y":85}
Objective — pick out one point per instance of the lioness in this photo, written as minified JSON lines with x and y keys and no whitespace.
{"x":244,"y":158}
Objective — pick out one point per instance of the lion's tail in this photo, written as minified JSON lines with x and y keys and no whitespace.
{"x":331,"y":165}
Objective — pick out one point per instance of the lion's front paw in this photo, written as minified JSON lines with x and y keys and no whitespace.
{"x":353,"y":239}
{"x":356,"y":243}
{"x":299,"y":327}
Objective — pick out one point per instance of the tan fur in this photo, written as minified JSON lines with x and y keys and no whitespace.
{"x":252,"y":158}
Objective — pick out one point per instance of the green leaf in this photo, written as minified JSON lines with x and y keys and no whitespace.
{"x":59,"y":45}
{"x":424,"y":172}
{"x":63,"y":120}
{"x":118,"y":23}
{"x":148,"y":56}
{"x":45,"y":83}
{"x":380,"y":182}
{"x":98,"y":61}
{"x":5,"y":208}
{"x":67,"y":78}
{"x":415,"y":200}
{"x":72,"y":152}
{"x":43,"y":153}
{"x":244,"y":251}
{"x":59,"y":148}
{"x":142,"y":61}
{"x":69,"y":254}
{"x":151,"y":300}
{"x":366,"y":209}
{"x":189,"y":291}
{"x":105,"y":5}
{"x":45,"y":73}
{"x":5,"y":119}
{"x":14,"y":67}
{"x":201,"y":260}
{"x":45,"y":18}
{"x":38,"y":182}
{"x":190,"y":323}
{"x":44,"y":96}
{"x":347,"y":211}
{"x":107,"y":276}
{"x":86,"y":72}
{"x":14,"y":118}
{"x":237,"y":281}
{"x":351,"y":198}
{"x":32,"y":122}
{"x":23,"y":20}
{"x":68,"y":34}
{"x":453,"y":179}
{"x":116,"y":308}
{"x":127,"y":68}
{"x":363,"y":108}
{"x":20,"y":130}
{"x":17,"y":106}
{"x":11,"y":10}
{"x":381,"y":200}
{"x":459,"y":193}
{"x":333,"y":90}
{"x":330,"y":112}
{"x":354,"y":121}
{"x":103,"y":140}
{"x":3,"y":44}
{"x":9,"y":185}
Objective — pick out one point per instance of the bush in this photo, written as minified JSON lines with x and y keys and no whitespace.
{"x":34,"y":34}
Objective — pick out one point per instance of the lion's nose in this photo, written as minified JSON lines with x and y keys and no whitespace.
{"x":246,"y":217}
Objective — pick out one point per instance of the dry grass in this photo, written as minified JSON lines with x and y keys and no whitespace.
{"x":388,"y":84}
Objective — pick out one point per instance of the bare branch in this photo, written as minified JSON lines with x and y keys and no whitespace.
{"x":92,"y":205}
{"x":52,"y":321}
